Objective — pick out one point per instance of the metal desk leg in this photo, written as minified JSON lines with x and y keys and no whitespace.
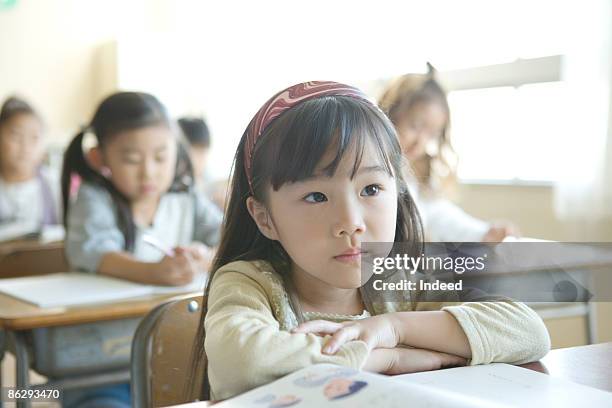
{"x":591,"y":322}
{"x":22,"y":362}
{"x":2,"y":348}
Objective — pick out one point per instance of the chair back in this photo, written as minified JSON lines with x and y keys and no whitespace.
{"x":161,"y":361}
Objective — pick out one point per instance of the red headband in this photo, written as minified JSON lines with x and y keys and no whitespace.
{"x":285,"y":100}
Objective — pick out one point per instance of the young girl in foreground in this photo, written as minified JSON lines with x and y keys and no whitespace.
{"x":135,"y":188}
{"x":318,"y":172}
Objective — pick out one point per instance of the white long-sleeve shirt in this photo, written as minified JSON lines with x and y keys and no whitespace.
{"x":444,"y":221}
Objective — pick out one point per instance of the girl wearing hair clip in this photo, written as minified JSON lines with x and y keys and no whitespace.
{"x":418,"y":108}
{"x":135,"y":216}
{"x":316,"y":174}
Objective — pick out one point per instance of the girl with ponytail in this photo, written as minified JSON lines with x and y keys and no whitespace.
{"x":135,"y":186}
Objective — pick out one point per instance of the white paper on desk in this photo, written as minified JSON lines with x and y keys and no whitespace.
{"x":17,"y":230}
{"x":197,"y":285}
{"x":496,"y":385}
{"x":52,"y":233}
{"x":77,"y":288}
{"x":327,"y":385}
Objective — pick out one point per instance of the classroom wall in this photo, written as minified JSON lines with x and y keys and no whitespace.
{"x":49,"y":52}
{"x":531,"y":207}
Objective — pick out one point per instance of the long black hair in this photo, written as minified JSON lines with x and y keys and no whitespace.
{"x":289,"y":151}
{"x":119,"y":112}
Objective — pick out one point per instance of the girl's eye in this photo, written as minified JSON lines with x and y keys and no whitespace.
{"x":315,"y":197}
{"x":416,"y":126}
{"x":131,"y":160}
{"x":160,"y":159}
{"x":371,"y":190}
{"x":15,"y":135}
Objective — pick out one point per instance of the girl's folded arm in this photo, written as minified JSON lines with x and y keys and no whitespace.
{"x":500,"y":331}
{"x":245,"y":346}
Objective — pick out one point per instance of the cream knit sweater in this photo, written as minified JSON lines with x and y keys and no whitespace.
{"x":249,"y":316}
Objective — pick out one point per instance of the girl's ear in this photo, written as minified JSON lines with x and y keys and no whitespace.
{"x":262,"y":218}
{"x":94,"y":158}
{"x":96,"y":161}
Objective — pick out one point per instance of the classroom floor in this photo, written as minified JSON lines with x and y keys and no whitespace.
{"x":8,"y":380}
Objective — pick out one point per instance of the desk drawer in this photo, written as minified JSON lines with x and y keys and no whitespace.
{"x":86,"y":348}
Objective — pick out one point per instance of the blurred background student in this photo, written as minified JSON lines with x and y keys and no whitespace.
{"x":29,"y":192}
{"x":198,"y":138}
{"x":417,"y":106}
{"x":197,"y":134}
{"x":135,"y":216}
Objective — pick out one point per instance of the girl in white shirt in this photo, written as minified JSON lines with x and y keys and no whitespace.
{"x":417,"y":106}
{"x":29,"y":194}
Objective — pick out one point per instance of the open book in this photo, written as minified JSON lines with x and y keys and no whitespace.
{"x":79,"y":288}
{"x":493,"y":385}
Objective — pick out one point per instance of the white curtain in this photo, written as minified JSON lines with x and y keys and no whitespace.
{"x":584,"y":189}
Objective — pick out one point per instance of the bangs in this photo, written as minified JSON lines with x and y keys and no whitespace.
{"x":298,"y":140}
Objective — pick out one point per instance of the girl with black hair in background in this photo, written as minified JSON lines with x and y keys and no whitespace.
{"x":136,"y":185}
{"x":29,"y":192}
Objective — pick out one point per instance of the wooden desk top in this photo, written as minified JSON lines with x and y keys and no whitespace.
{"x":587,"y":365}
{"x":8,"y":247}
{"x":19,"y":315}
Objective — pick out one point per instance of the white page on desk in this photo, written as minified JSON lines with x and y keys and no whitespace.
{"x":17,"y":230}
{"x":197,"y":285}
{"x":511,"y":385}
{"x":71,"y":289}
{"x":495,"y":385}
{"x":312,"y":387}
{"x":79,"y":288}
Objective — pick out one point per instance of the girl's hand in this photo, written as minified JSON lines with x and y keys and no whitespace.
{"x":377,"y":332}
{"x":201,"y":254}
{"x":499,"y":231}
{"x":412,"y":360}
{"x":177,"y":270}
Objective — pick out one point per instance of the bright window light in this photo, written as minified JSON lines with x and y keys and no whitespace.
{"x":510,"y":133}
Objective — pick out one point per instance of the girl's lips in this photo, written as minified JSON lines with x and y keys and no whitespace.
{"x":349,"y":258}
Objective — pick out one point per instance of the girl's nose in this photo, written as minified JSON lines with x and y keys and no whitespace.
{"x":422,"y":141}
{"x":349,"y":220}
{"x":147,"y":169}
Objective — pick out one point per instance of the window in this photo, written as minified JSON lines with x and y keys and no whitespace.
{"x":510,"y":133}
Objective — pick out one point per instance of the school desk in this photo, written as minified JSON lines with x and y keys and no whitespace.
{"x":587,"y":365}
{"x":17,"y":318}
{"x":27,"y":258}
